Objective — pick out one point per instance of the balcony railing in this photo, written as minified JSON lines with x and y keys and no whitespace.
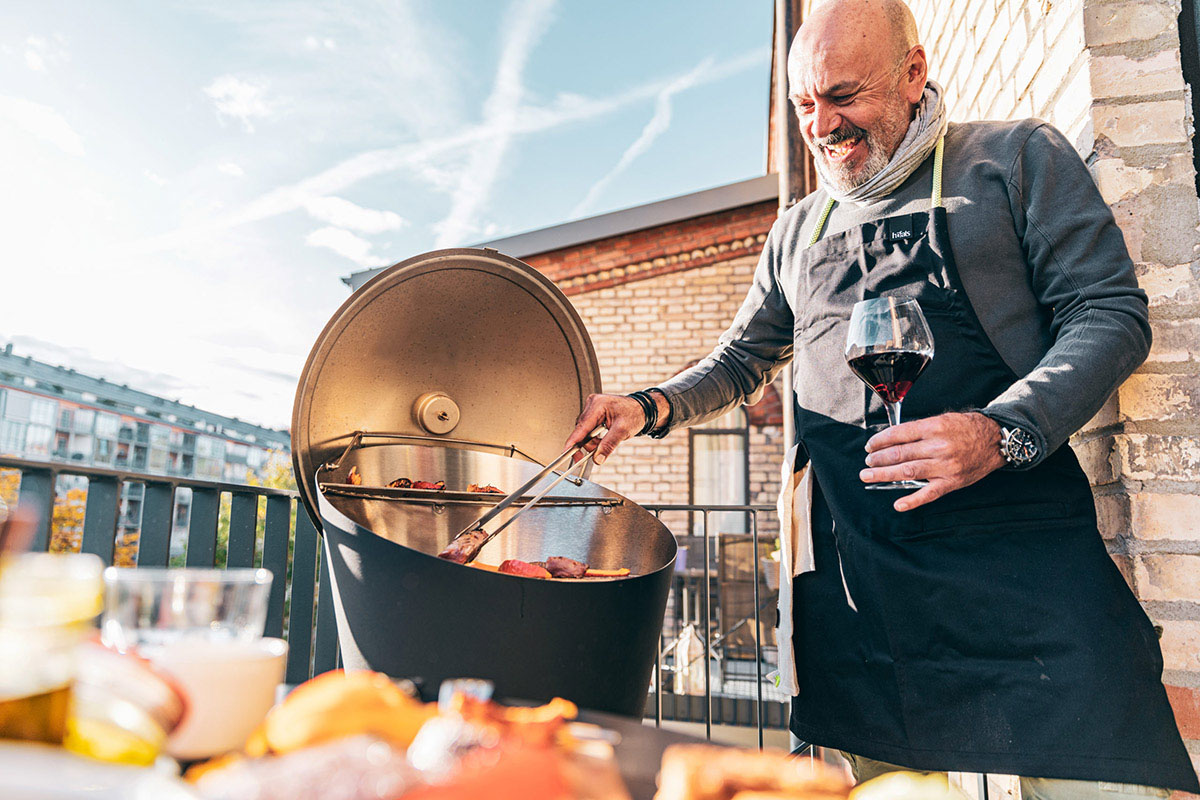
{"x":723,"y":596}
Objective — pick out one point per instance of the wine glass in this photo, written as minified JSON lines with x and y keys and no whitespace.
{"x":888,"y":346}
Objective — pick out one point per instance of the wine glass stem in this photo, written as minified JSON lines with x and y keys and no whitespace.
{"x":893,"y":412}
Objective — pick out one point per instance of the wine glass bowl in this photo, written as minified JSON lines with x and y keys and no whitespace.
{"x":888,"y":346}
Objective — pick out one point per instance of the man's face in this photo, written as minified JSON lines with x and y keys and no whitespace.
{"x":853,"y":109}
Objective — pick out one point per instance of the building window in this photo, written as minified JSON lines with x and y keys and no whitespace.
{"x":43,"y":412}
{"x":18,"y":407}
{"x":12,"y":437}
{"x":719,"y":453}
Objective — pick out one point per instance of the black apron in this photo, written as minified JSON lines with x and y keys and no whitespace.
{"x":988,"y":631}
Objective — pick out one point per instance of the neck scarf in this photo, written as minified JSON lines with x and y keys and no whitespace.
{"x":927,"y":127}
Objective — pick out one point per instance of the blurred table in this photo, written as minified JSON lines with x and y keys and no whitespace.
{"x":639,"y":753}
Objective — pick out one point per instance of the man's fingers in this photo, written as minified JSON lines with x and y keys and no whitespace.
{"x":901,"y":434}
{"x":927,"y":494}
{"x":909,"y":451}
{"x":908,"y":471}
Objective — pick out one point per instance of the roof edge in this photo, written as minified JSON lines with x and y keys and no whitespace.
{"x":626,"y":220}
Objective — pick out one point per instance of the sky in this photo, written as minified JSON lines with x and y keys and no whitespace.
{"x":185,"y":183}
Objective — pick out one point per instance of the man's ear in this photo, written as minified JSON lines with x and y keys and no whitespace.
{"x":916,"y":72}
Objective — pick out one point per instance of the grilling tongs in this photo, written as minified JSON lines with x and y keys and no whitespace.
{"x":464,"y":547}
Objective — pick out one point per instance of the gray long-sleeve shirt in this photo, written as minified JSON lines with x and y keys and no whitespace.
{"x":1040,"y":257}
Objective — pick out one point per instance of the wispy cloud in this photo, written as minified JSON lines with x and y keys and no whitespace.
{"x":324,"y":43}
{"x":344,"y":243}
{"x":154,"y":177}
{"x":566,"y":109}
{"x":239,"y":99}
{"x":231,"y":169}
{"x":658,"y":125}
{"x":41,"y":52}
{"x":42,"y":122}
{"x":344,"y":214}
{"x":524,"y":26}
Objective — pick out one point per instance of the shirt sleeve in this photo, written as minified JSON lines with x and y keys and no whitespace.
{"x":1082,"y":275}
{"x":748,"y":356}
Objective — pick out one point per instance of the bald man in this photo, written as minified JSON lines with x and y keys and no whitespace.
{"x":970,"y":619}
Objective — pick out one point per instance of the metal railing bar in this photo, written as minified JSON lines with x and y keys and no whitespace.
{"x":100,"y":517}
{"x":300,"y":623}
{"x":67,"y":468}
{"x":154,"y":539}
{"x":708,"y":711}
{"x":243,"y":516}
{"x":758,"y":679}
{"x":275,"y":558}
{"x":37,"y":489}
{"x":202,"y":528}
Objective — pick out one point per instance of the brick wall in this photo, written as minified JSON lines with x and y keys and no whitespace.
{"x":654,"y":302}
{"x":1108,"y":75}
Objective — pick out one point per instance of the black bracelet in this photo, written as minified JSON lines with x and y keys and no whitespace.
{"x":664,"y":424}
{"x":649,"y":409}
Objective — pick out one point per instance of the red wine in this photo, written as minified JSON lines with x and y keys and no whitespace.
{"x":890,"y":372}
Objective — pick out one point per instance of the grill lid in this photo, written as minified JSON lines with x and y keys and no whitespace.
{"x":450,"y":346}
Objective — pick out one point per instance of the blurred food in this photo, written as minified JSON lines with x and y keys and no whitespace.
{"x":708,"y":772}
{"x":340,"y":703}
{"x":435,"y":485}
{"x":907,"y":786}
{"x":354,"y":478}
{"x":356,"y":736}
{"x":353,"y":768}
{"x":400,"y":483}
{"x":488,"y":489}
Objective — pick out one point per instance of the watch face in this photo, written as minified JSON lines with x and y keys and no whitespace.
{"x":1020,"y":447}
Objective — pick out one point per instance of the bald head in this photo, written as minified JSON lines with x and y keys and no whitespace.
{"x":856,"y":73}
{"x":870,"y":29}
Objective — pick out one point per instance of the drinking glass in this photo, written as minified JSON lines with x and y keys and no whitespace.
{"x":205,"y":628}
{"x":888,"y":346}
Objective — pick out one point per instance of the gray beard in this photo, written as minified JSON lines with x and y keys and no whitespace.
{"x":893,"y":126}
{"x":842,"y":179}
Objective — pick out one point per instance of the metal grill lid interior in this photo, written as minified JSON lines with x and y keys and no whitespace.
{"x":488,"y":332}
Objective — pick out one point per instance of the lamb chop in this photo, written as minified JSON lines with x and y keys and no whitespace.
{"x":515,"y":566}
{"x":563,"y":567}
{"x":465,"y":547}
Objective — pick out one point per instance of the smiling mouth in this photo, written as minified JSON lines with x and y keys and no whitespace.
{"x":841,"y":150}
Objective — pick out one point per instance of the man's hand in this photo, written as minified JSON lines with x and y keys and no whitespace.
{"x":623,"y":416}
{"x":950,"y":451}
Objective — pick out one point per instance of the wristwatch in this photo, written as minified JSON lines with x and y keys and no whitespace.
{"x":1018,"y":446}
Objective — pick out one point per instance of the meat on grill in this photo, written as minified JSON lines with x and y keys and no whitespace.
{"x":353,"y":478}
{"x":400,"y":483}
{"x":563,"y":567}
{"x":437,"y":485}
{"x":515,"y":566}
{"x":489,"y":489}
{"x":465,"y":547}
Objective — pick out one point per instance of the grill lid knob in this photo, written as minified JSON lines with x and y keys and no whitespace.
{"x":436,"y":412}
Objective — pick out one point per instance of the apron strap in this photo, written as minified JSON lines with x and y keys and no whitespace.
{"x":816,"y":234}
{"x":935,"y":200}
{"x":937,"y":172}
